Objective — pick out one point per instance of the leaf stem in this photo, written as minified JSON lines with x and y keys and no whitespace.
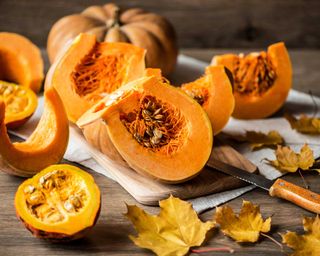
{"x":211,"y":249}
{"x":273,"y":240}
{"x":303,"y":180}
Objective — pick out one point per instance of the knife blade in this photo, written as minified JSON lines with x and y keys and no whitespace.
{"x":276,"y":188}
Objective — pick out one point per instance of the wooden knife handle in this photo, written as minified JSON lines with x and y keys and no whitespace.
{"x":295,"y":194}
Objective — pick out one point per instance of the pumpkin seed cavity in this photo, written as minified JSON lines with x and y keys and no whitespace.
{"x":56,"y":195}
{"x":156,"y":125}
{"x":253,"y":73}
{"x":98,"y":72}
{"x":14,"y":97}
{"x":200,"y":95}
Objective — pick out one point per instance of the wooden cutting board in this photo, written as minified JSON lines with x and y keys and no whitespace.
{"x":148,"y":191}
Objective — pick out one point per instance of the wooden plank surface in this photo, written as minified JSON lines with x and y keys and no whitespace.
{"x":205,"y":23}
{"x":110,"y":235}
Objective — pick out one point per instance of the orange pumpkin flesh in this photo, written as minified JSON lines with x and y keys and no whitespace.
{"x":21,"y":102}
{"x":157,"y":129}
{"x":60,"y":203}
{"x":214,"y":93}
{"x":112,"y":24}
{"x":46,"y":145}
{"x":20,"y":61}
{"x":262,"y":81}
{"x":89,"y":70}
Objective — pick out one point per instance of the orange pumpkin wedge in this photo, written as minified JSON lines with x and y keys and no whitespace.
{"x":214,"y":93}
{"x":89,"y":70}
{"x":60,"y":203}
{"x":20,"y":61}
{"x":46,"y":145}
{"x":156,"y":128}
{"x":21,"y":102}
{"x":262,"y":80}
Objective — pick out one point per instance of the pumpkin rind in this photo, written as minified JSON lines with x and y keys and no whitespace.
{"x":20,"y":61}
{"x":171,"y":163}
{"x":45,"y":146}
{"x":21,"y":102}
{"x":143,"y":29}
{"x":214,"y":90}
{"x":78,"y":95}
{"x":250,"y":106}
{"x":75,"y":187}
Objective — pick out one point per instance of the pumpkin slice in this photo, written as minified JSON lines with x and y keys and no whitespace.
{"x":21,"y":102}
{"x":60,"y":203}
{"x":46,"y":145}
{"x":89,"y":70}
{"x":262,"y":80}
{"x":157,"y":129}
{"x":20,"y":61}
{"x":214,"y":93}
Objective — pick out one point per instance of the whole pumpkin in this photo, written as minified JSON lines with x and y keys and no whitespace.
{"x":144,"y":29}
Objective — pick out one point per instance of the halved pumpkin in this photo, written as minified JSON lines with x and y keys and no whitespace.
{"x":262,"y":80}
{"x":21,"y":102}
{"x":20,"y":61}
{"x":89,"y":70}
{"x":46,"y":145}
{"x":214,"y":93}
{"x":157,"y":129}
{"x":60,"y":203}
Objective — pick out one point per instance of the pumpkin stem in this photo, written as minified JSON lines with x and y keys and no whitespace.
{"x":115,"y":20}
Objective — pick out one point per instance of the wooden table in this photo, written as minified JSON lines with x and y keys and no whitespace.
{"x":110,"y":235}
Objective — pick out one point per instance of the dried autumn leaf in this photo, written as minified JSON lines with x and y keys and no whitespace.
{"x":259,"y":139}
{"x":288,"y":160}
{"x":243,"y":228}
{"x":304,"y":124}
{"x":172,"y":232}
{"x":307,"y":244}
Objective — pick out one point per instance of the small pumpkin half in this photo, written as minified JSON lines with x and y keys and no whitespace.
{"x":45,"y":146}
{"x":213,"y":92}
{"x":262,"y":80}
{"x":156,"y":128}
{"x":60,"y":203}
{"x":20,"y":61}
{"x":88,"y":71}
{"x":21,"y":102}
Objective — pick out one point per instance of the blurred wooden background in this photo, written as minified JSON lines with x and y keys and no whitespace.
{"x":199,"y":23}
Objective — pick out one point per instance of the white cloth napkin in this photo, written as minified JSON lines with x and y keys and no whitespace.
{"x":187,"y":70}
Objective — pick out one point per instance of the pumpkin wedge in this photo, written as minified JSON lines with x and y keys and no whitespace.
{"x":20,"y":61}
{"x":45,"y":146}
{"x":214,"y":93}
{"x":21,"y":102}
{"x":157,"y":129}
{"x":262,"y":80}
{"x":60,"y":203}
{"x":89,"y":70}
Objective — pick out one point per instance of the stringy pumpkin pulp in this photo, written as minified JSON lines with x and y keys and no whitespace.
{"x":253,"y":73}
{"x":98,"y":73}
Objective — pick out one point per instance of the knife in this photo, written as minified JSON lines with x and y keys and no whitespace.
{"x":277,"y":188}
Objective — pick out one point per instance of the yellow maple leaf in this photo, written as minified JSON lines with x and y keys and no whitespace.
{"x":288,"y":160}
{"x":304,"y":124}
{"x":243,"y":228}
{"x":172,"y":232}
{"x":307,"y":244}
{"x":259,"y":139}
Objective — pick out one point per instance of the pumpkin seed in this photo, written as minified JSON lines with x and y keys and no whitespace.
{"x":29,"y":189}
{"x":36,"y":198}
{"x":68,"y":206}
